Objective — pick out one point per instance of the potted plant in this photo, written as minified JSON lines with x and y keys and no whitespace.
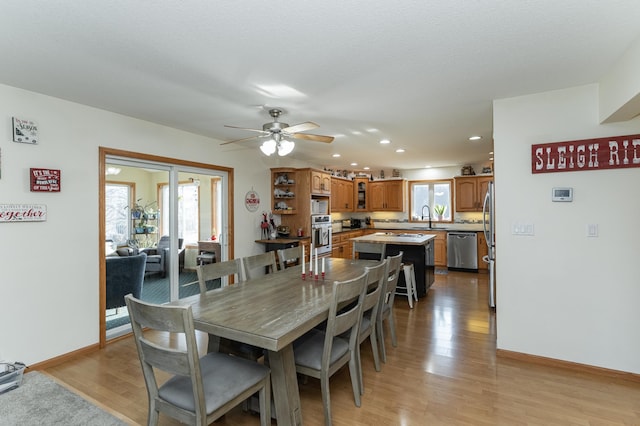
{"x":438,"y":210}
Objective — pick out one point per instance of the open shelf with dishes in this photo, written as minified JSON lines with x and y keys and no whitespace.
{"x":284,"y":189}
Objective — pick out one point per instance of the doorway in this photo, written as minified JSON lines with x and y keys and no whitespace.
{"x":161,"y":207}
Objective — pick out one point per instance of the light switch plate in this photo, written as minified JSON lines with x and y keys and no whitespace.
{"x":592,"y":230}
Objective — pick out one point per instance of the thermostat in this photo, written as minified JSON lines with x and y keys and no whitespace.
{"x":562,"y":194}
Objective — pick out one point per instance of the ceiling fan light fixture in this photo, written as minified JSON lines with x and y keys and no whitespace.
{"x":285,"y":147}
{"x":268,"y":147}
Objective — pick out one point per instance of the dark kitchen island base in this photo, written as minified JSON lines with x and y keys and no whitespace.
{"x":416,"y":248}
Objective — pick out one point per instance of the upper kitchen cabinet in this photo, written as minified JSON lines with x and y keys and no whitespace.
{"x":284,"y":191}
{"x":320,"y":182}
{"x":470,"y":191}
{"x":387,"y":195}
{"x":361,"y":194}
{"x":341,"y":195}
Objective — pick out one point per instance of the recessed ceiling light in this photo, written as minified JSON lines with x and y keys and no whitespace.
{"x":491,"y":153}
{"x":490,"y":158}
{"x":400,"y":150}
{"x":354,"y":164}
{"x":373,"y":130}
{"x":356,"y":132}
{"x":427,"y":166}
{"x":385,"y":141}
{"x":475,"y":138}
{"x":336,"y":155}
{"x":366,"y":168}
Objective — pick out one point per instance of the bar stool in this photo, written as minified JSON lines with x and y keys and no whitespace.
{"x":409,"y":288}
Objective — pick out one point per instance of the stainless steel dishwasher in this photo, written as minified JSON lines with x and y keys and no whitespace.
{"x":462,"y":250}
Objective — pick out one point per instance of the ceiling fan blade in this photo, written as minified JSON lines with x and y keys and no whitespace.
{"x":240,"y":140}
{"x":302,"y":127}
{"x":317,"y":138}
{"x":245,"y":128}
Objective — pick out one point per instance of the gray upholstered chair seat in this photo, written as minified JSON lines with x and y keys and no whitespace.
{"x":232,"y":376}
{"x":307,"y":348}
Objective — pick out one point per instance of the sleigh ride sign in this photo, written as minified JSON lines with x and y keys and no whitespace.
{"x":616,"y":152}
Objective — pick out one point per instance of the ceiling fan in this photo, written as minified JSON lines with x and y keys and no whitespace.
{"x":279,"y":134}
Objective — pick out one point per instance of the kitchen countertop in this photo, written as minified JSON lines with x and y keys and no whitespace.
{"x":399,"y":227}
{"x":396,"y":238}
{"x":283,"y":240}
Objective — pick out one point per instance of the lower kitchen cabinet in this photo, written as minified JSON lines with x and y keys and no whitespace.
{"x":483,"y":250}
{"x":440,"y":248}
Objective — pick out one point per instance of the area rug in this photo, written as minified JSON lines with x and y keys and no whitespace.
{"x":42,"y":401}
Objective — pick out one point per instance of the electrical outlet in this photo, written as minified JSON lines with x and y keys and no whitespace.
{"x":592,"y":230}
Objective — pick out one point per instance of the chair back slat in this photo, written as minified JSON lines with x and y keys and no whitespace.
{"x":389,"y":289}
{"x":375,"y":282}
{"x":251,"y":263}
{"x":342,"y":319}
{"x":213,"y":271}
{"x":289,"y":256}
{"x":369,"y":250}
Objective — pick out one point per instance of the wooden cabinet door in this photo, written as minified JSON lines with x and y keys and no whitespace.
{"x":394,"y":196}
{"x":466,"y":194}
{"x":483,"y":250}
{"x":347,"y":195}
{"x":325,"y":183}
{"x":376,"y":196}
{"x":341,"y":195}
{"x":482,"y":187}
{"x":320,"y":183}
{"x":440,"y":249}
{"x":316,"y":182}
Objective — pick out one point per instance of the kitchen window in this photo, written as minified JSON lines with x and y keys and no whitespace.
{"x":431,"y":197}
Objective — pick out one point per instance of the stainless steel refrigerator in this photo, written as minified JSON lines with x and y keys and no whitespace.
{"x":488,"y":225}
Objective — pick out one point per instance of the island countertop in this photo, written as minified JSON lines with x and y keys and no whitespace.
{"x":396,"y":238}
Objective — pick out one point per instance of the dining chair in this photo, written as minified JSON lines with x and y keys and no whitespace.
{"x":221,"y":270}
{"x":290,"y":256}
{"x":370,"y":306}
{"x":200,"y":390}
{"x":321,"y":354}
{"x":266,"y":260}
{"x":367,"y":250}
{"x":387,"y":296}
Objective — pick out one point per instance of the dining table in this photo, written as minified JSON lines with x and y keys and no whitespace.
{"x":271,"y":312}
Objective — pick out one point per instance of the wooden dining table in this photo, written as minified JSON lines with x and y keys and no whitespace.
{"x":271,"y":312}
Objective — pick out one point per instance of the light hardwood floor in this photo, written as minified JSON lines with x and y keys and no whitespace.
{"x":444,"y":372}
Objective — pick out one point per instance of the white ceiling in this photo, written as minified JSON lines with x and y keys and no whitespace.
{"x":422,"y":73}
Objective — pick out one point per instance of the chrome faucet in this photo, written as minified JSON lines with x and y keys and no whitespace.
{"x":429,"y":213}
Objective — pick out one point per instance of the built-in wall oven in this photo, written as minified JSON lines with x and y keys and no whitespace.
{"x":321,"y":233}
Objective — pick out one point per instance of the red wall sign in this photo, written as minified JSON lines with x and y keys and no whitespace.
{"x":616,"y":152}
{"x":45,"y":180}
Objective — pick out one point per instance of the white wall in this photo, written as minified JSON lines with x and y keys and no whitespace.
{"x":561,"y":294}
{"x":49,"y":270}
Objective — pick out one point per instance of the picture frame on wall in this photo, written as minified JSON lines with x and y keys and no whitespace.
{"x":25,"y":131}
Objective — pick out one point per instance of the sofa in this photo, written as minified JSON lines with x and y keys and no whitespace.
{"x":125,"y":274}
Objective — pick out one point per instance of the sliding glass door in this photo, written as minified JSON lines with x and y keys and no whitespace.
{"x":165,"y":211}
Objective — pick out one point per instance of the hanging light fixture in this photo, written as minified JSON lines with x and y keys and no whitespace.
{"x":283,"y":146}
{"x":268,"y":147}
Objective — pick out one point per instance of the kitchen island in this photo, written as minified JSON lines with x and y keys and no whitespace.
{"x":416,"y":248}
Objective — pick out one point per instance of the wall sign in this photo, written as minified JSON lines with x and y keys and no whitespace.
{"x":23,"y":212}
{"x":25,"y":131}
{"x":45,"y":180}
{"x":252,"y":201}
{"x":616,"y":152}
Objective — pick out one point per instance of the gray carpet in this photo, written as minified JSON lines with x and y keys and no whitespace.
{"x":41,"y":401}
